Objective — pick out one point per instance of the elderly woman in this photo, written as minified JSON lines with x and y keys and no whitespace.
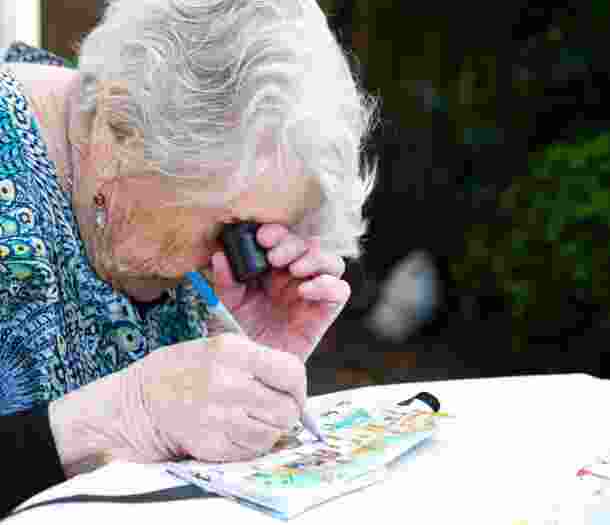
{"x":115,"y":181}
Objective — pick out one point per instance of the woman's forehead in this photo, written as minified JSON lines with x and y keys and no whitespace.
{"x":266,"y":149}
{"x":279,"y":191}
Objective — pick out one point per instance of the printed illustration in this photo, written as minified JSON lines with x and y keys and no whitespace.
{"x":302,"y":471}
{"x":358,"y":440}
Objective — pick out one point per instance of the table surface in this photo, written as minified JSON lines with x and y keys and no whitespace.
{"x":511,"y":453}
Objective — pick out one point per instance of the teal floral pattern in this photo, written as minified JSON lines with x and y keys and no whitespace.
{"x":62,"y":327}
{"x":22,"y":52}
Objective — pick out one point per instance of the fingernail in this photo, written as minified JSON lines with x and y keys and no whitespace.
{"x":308,"y":287}
{"x":277,"y":255}
{"x":271,"y":233}
{"x":302,"y":267}
{"x":265,"y":234}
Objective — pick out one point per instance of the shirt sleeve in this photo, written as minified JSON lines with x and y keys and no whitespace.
{"x":27,"y":440}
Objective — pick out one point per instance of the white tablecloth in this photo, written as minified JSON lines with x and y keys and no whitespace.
{"x":510,"y":456}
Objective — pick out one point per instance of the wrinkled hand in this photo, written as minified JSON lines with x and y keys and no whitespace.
{"x":224,"y":399}
{"x":299,"y":299}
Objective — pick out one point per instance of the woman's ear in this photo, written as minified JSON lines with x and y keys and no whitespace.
{"x":111,"y":102}
{"x":101,"y":151}
{"x":111,"y":135}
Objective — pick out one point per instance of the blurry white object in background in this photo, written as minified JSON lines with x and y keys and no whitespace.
{"x":409,"y":296}
{"x":20,"y":20}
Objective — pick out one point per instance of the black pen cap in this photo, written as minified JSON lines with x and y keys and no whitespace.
{"x":430,"y":400}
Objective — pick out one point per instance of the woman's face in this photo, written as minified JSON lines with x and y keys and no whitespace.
{"x":147,"y":246}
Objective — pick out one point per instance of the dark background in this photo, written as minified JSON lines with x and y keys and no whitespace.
{"x":470,"y":99}
{"x":472,"y":96}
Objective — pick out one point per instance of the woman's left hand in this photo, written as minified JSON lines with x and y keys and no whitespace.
{"x":299,"y":299}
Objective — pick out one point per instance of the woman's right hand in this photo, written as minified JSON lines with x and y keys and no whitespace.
{"x":221,"y":399}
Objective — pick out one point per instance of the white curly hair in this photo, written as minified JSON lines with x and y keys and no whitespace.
{"x":203,"y":79}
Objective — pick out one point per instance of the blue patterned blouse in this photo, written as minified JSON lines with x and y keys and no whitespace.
{"x":62,"y":327}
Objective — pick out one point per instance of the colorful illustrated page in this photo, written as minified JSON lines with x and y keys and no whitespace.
{"x":301,"y":471}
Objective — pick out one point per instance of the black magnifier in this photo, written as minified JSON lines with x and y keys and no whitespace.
{"x":247,"y":257}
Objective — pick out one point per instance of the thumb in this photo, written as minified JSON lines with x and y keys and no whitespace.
{"x":229,"y":291}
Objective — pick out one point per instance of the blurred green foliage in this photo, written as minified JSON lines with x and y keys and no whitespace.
{"x":72,"y":62}
{"x":548,"y":239}
{"x":552,"y":235}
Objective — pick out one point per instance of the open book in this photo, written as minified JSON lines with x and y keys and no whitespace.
{"x":302,"y":471}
